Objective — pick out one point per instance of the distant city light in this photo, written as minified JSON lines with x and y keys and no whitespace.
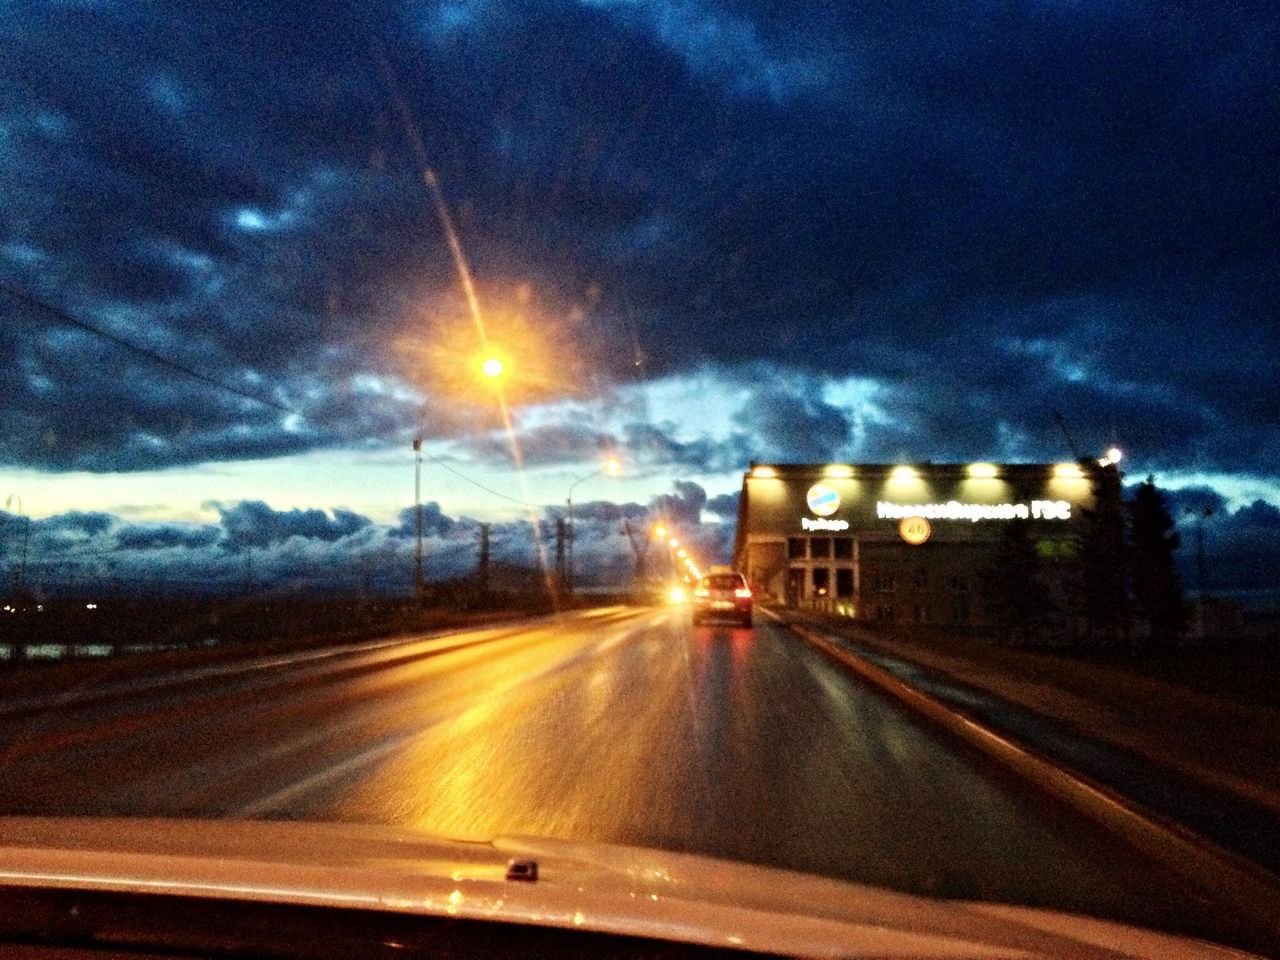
{"x":91,"y":606}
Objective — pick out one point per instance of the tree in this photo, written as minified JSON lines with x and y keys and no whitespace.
{"x":1157,"y":591}
{"x":1018,"y":600}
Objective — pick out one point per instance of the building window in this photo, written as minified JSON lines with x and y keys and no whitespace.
{"x":844,"y":582}
{"x":795,"y":584}
{"x":821,"y":581}
{"x":844,"y":548}
{"x":795,"y":548}
{"x":820,"y":547}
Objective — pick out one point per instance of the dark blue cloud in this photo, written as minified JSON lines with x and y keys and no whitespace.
{"x":434,"y":521}
{"x":252,"y":523}
{"x":994,"y":212}
{"x":725,"y":505}
{"x":161,"y":536}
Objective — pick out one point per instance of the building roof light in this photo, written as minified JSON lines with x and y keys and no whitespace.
{"x":763,"y":472}
{"x":903,"y":473}
{"x":837,"y":470}
{"x":1067,"y":471}
{"x":983,"y":471}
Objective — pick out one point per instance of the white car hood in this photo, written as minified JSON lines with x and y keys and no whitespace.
{"x":598,"y":887}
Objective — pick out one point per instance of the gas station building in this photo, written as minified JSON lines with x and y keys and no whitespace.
{"x":904,"y":543}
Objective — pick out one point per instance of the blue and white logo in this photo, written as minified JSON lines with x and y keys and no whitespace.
{"x":823,"y":500}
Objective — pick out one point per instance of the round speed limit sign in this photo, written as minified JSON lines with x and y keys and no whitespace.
{"x":914,"y":530}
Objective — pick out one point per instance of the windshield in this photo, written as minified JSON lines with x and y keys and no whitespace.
{"x":381,"y":379}
{"x":724,"y":582}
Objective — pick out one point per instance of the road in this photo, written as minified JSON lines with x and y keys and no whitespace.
{"x":625,"y":726}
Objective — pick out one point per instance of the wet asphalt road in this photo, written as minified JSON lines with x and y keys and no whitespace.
{"x":620,"y":726}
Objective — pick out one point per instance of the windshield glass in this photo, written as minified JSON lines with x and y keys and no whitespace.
{"x":381,"y":379}
{"x":722,"y":582}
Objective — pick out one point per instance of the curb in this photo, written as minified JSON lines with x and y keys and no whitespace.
{"x":1245,"y":884}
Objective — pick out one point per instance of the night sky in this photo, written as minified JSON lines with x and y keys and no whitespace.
{"x":700,"y":232}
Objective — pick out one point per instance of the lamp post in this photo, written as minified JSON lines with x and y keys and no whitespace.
{"x":417,"y":513}
{"x":611,"y":466}
{"x":1201,"y":514}
{"x":21,"y":581}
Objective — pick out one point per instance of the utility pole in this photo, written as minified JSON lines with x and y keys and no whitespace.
{"x":418,"y":582}
{"x":20,"y":581}
{"x":482,"y":568}
{"x":1201,"y":515}
{"x":562,"y":577}
{"x":640,"y":547}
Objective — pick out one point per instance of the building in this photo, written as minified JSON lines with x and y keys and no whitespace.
{"x":908,"y":543}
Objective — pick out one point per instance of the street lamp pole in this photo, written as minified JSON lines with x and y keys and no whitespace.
{"x":418,"y":583}
{"x":21,"y":583}
{"x":610,"y":466}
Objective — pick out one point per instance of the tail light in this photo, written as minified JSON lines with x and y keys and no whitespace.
{"x":743,"y":592}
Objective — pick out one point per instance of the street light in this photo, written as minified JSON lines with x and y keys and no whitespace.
{"x":493,"y":367}
{"x":26,"y":536}
{"x":417,"y":514}
{"x":611,"y":466}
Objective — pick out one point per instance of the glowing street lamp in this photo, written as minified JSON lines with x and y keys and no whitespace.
{"x":493,"y":368}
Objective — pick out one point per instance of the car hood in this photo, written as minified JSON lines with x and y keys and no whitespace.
{"x":599,"y":887}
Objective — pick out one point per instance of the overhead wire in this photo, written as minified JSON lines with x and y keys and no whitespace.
{"x":71,"y":320}
{"x":477,"y":483}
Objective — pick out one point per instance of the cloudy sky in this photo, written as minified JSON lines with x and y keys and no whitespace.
{"x":701,"y":232}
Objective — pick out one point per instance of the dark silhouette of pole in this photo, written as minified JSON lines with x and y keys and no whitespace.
{"x":482,"y":568}
{"x":561,"y":571}
{"x":418,"y":582}
{"x":20,"y":580}
{"x":1202,"y":577}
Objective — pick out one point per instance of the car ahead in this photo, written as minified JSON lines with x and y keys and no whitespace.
{"x":722,"y":595}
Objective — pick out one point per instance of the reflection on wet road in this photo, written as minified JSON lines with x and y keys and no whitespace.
{"x":629,"y":727}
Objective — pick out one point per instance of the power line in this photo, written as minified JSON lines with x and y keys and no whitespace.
{"x":477,"y":483}
{"x":97,"y":331}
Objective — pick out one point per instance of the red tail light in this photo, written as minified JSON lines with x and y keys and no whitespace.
{"x":743,"y":592}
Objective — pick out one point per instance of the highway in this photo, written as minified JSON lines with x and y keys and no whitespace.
{"x":626,"y":726}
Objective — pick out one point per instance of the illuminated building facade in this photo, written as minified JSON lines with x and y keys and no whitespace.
{"x":908,"y":543}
